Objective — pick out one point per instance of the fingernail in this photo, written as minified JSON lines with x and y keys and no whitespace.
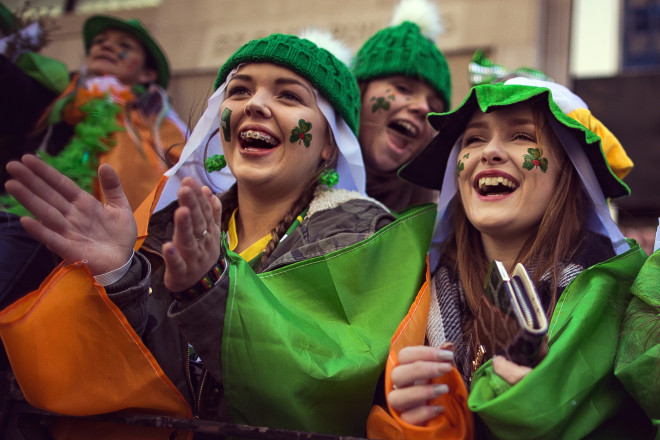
{"x":444,"y":355}
{"x":439,"y":390}
{"x":447,"y":346}
{"x":437,"y":409}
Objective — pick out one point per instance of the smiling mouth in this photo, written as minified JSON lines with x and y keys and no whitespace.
{"x":106,"y":58}
{"x":404,"y":127}
{"x":252,"y":140}
{"x":495,"y":186}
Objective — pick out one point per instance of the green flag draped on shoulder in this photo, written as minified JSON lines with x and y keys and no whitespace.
{"x":320,"y":327}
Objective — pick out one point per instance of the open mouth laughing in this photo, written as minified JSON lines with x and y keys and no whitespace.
{"x":406,"y":128}
{"x":495,"y":185}
{"x":254,"y":140}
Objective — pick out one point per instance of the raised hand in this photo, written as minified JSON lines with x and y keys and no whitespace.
{"x":195,"y":245}
{"x":412,"y":382}
{"x":71,"y":222}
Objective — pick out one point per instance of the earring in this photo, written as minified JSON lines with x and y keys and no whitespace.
{"x":215,"y":163}
{"x":329,"y":177}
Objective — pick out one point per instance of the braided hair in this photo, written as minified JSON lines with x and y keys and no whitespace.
{"x":229,"y":201}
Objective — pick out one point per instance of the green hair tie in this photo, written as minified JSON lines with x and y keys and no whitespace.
{"x":215,"y":163}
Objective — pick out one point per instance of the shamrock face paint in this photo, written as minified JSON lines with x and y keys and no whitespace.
{"x":393,"y":125}
{"x":461,"y":166}
{"x":500,"y":193}
{"x":300,"y":133}
{"x":279,"y":136}
{"x":381,"y":102}
{"x":534,"y":158}
{"x":225,"y":123}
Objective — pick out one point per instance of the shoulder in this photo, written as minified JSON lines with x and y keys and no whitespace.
{"x":341,"y":211}
{"x":335,"y":219}
{"x":327,"y":199}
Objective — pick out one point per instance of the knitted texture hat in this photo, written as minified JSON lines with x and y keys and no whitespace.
{"x":322,"y":69}
{"x":98,"y":23}
{"x":404,"y":49}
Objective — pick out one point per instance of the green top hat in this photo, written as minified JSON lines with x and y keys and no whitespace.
{"x":98,"y":23}
{"x":8,"y":23}
{"x":428,"y":167}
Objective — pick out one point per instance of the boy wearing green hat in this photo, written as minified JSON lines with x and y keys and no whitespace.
{"x":522,"y":180}
{"x":403,"y":76}
{"x":123,"y":79}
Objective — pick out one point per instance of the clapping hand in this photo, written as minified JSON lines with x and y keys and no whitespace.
{"x":195,"y":245}
{"x":71,"y":222}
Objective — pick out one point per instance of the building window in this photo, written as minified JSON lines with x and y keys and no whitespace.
{"x":641,"y":34}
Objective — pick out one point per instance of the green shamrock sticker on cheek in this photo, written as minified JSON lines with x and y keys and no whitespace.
{"x":225,"y":121}
{"x":535,"y":159}
{"x":461,"y":166}
{"x":299,"y":134}
{"x":381,"y":102}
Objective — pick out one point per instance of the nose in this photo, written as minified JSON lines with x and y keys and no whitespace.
{"x":493,"y":153}
{"x":419,"y":105}
{"x":257,"y":106}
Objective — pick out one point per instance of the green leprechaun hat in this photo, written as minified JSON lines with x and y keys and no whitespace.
{"x":133,"y":26}
{"x":428,"y":167}
{"x":407,"y":48}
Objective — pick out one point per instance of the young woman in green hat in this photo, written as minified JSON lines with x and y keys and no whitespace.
{"x":403,"y":76}
{"x":283,"y":288}
{"x":522,"y":180}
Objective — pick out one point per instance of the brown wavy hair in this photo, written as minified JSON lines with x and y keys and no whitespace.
{"x":553,"y":244}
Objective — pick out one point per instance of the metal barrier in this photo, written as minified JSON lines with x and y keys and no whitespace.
{"x":207,"y":427}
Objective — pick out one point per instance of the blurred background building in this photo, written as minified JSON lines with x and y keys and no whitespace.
{"x":608,"y":51}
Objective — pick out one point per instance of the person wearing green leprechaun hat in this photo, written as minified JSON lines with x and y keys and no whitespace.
{"x":521,"y":181}
{"x":272,"y":305}
{"x":403,"y":76}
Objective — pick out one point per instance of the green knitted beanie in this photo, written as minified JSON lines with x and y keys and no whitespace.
{"x":322,"y":69}
{"x":407,"y":47}
{"x":403,"y":50}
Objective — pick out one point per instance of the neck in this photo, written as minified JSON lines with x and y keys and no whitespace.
{"x":506,"y":249}
{"x":395,"y":193}
{"x":259,"y":214}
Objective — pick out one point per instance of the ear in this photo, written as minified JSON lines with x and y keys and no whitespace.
{"x":147,"y":76}
{"x":330,"y":145}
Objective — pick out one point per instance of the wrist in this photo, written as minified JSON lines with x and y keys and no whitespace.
{"x":205,"y":284}
{"x":107,"y":278}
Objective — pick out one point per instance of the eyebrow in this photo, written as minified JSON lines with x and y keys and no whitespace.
{"x":278,"y":81}
{"x":293,"y":81}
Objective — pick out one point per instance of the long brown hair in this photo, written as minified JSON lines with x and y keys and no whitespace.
{"x":229,"y":200}
{"x":553,"y":244}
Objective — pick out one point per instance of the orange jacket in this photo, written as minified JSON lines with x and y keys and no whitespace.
{"x":456,"y":421}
